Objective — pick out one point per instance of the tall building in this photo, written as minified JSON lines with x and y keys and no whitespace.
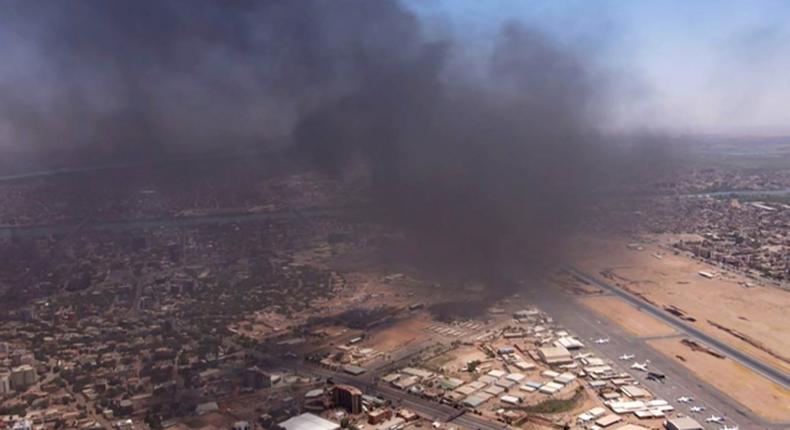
{"x":5,"y":382}
{"x":348,"y":397}
{"x":23,"y":377}
{"x":242,"y":425}
{"x":256,"y":378}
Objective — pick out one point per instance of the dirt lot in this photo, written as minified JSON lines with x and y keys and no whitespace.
{"x":755,"y":392}
{"x":755,"y":317}
{"x":400,"y":334}
{"x":631,"y":319}
{"x":454,"y":361}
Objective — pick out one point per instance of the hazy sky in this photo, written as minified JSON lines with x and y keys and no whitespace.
{"x":709,"y":66}
{"x":695,"y":66}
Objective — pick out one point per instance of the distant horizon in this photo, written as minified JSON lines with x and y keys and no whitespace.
{"x":33,"y":170}
{"x":702,"y":67}
{"x":674,"y":69}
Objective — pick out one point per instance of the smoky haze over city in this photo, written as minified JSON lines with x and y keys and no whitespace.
{"x":485,"y":170}
{"x":394,"y":215}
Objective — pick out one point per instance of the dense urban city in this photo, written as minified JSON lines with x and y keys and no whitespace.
{"x":248,"y":318}
{"x":394,"y":215}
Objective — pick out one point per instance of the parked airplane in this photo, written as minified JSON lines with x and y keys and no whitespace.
{"x":696,"y":409}
{"x":684,"y":399}
{"x":728,"y":428}
{"x":602,"y":340}
{"x":627,"y":357}
{"x":714,"y":419}
{"x":640,"y":366}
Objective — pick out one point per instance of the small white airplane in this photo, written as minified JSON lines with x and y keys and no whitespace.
{"x":602,"y":340}
{"x":684,"y":399}
{"x":714,"y":419}
{"x":627,"y":357}
{"x":696,"y":409}
{"x":729,"y":428}
{"x":640,"y":366}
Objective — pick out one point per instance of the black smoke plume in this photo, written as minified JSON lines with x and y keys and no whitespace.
{"x":486,"y":176}
{"x":484,"y":170}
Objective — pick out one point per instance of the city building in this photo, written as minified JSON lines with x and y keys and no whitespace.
{"x":23,"y":377}
{"x":308,"y":421}
{"x":608,"y":420}
{"x":555,"y":355}
{"x":408,"y":415}
{"x":5,"y":382}
{"x":354,"y":370}
{"x":378,"y":416}
{"x":256,"y":378}
{"x":126,"y":424}
{"x":22,"y":425}
{"x":348,"y":397}
{"x":205,"y":408}
{"x":683,"y":423}
{"x":569,"y":342}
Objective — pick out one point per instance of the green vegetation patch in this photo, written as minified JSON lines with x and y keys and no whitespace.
{"x":555,"y":406}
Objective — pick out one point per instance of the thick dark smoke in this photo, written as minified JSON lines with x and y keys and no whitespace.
{"x":484,"y":172}
{"x":92,"y":80}
{"x":487,"y":176}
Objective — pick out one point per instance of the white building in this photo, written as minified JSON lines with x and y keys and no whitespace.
{"x":242,"y":425}
{"x":22,"y":425}
{"x":555,"y":355}
{"x":511,"y":399}
{"x":308,"y":421}
{"x":569,"y":343}
{"x":5,"y":383}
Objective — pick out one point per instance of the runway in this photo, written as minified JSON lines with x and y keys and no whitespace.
{"x":758,"y":366}
{"x":679,"y":381}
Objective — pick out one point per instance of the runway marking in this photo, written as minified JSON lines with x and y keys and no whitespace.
{"x":668,"y":336}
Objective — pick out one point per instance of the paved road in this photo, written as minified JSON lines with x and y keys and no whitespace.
{"x":427,"y":408}
{"x":758,"y":366}
{"x":370,"y":383}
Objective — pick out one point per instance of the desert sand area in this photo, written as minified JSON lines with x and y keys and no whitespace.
{"x":753,"y":391}
{"x":631,"y":319}
{"x":401,"y":334}
{"x":753,"y":320}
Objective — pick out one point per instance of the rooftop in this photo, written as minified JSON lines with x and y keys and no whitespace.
{"x":308,"y":421}
{"x":684,"y":423}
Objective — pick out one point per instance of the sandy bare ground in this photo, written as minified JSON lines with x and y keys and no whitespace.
{"x":400,"y":334}
{"x":756,"y":318}
{"x":631,"y":319}
{"x":454,"y":362}
{"x":753,"y":391}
